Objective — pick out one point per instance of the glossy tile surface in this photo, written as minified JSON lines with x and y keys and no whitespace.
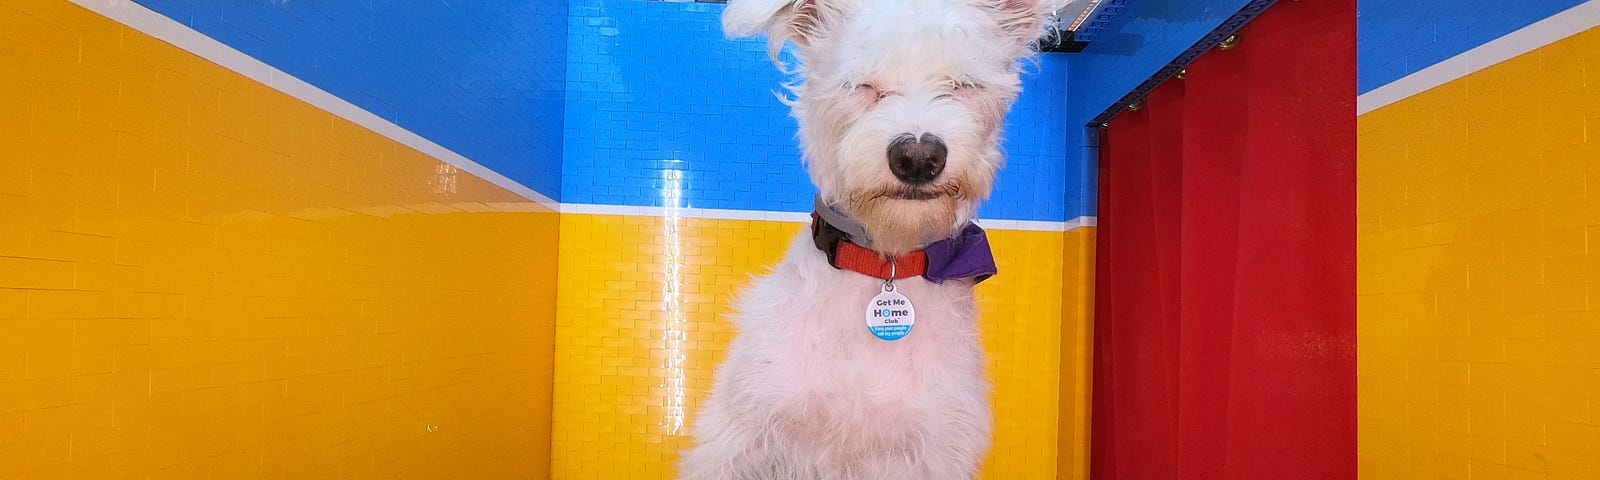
{"x":655,"y":89}
{"x":1478,"y":269}
{"x":202,"y":277}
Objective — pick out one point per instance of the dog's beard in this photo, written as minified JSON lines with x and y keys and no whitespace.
{"x":899,"y":218}
{"x":951,"y":188}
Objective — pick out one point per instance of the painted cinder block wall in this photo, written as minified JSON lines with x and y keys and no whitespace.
{"x":1477,"y":213}
{"x":203,"y":276}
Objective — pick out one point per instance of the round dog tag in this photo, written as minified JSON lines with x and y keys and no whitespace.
{"x":890,"y":315}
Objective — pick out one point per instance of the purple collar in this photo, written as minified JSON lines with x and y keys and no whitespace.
{"x":967,"y":255}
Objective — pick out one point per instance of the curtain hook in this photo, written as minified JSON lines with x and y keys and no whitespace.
{"x":1229,"y":43}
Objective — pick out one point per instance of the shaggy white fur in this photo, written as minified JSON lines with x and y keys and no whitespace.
{"x":806,"y":391}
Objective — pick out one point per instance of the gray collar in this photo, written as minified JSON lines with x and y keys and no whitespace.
{"x":856,"y":232}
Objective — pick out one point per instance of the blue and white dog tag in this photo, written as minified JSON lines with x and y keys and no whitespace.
{"x":890,"y":315}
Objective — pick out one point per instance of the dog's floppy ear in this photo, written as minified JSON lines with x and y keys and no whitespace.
{"x":1022,"y":20}
{"x":794,"y":20}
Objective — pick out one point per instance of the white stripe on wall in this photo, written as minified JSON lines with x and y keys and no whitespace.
{"x":168,"y":30}
{"x":1080,"y":222}
{"x":708,"y":213}
{"x":797,"y":217}
{"x":1028,"y":225}
{"x":1544,"y":32}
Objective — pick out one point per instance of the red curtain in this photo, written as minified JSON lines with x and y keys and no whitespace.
{"x":1225,"y":290}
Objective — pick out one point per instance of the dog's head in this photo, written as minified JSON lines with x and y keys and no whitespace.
{"x":900,"y":102}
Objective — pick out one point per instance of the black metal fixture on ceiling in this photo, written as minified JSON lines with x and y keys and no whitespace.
{"x":1076,"y":23}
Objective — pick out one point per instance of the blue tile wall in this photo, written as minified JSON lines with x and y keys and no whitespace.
{"x":1083,"y":173}
{"x":1033,"y":183}
{"x":1148,"y":35}
{"x":656,"y":97}
{"x":482,"y":78}
{"x":1398,"y":38}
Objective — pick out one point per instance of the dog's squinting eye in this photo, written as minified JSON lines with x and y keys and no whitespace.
{"x":959,"y":87}
{"x":872,"y":91}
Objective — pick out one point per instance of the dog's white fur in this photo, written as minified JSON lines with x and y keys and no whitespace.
{"x":806,"y":391}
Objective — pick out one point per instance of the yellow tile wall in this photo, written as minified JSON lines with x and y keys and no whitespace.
{"x":1024,"y":349}
{"x":624,"y":401}
{"x":201,"y":277}
{"x":1479,"y":274}
{"x":1077,"y":334}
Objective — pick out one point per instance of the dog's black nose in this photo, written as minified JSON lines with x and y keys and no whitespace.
{"x":916,"y":160}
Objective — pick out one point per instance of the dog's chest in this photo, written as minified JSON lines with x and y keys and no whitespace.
{"x":841,"y":384}
{"x":825,"y":361}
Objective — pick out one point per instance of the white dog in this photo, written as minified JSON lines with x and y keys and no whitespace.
{"x":858,"y":357}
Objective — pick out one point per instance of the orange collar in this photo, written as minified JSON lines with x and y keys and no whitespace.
{"x":844,"y":254}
